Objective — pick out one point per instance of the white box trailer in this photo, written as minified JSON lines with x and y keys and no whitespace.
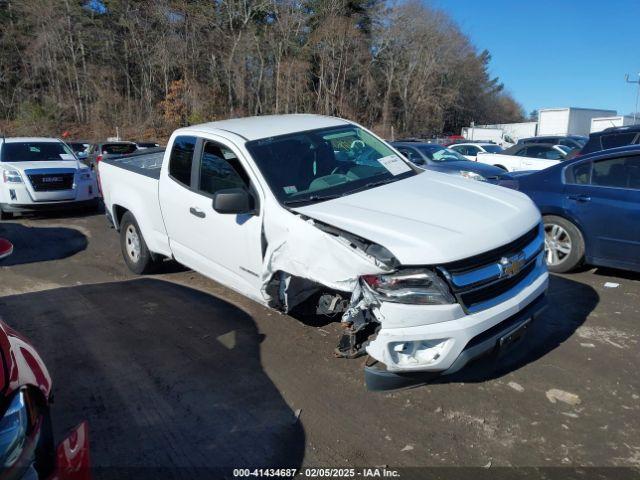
{"x":568,"y":121}
{"x":483,"y":134}
{"x":515,"y":131}
{"x":600,"y":123}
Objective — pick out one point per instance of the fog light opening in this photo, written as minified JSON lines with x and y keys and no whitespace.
{"x":418,"y":352}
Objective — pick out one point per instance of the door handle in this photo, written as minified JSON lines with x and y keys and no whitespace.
{"x":197,"y":212}
{"x":580,"y":198}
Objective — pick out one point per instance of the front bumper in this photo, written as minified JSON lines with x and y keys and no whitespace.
{"x":481,"y":345}
{"x":49,"y":206}
{"x":451,"y":329}
{"x":21,"y":197}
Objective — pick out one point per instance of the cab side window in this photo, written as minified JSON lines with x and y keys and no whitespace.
{"x":220,"y":169}
{"x":181,"y":159}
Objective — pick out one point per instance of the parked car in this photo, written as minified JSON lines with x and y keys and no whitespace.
{"x":446,"y":160}
{"x":300,"y":211}
{"x":591,"y":209}
{"x":470,"y":150}
{"x":43,"y":174}
{"x":80,"y":149}
{"x":27,"y":447}
{"x":525,"y":157}
{"x":612,"y":138}
{"x":100,"y":151}
{"x":145,"y":145}
{"x":571,"y":141}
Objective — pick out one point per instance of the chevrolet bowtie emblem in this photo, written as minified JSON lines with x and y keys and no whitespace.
{"x":510,"y":266}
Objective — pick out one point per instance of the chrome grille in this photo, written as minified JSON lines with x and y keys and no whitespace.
{"x":46,"y":182}
{"x":485,"y":280}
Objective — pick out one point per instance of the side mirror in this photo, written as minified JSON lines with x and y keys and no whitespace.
{"x":233,"y":201}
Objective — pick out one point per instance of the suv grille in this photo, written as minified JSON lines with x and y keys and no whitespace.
{"x":487,"y":279}
{"x":46,"y":182}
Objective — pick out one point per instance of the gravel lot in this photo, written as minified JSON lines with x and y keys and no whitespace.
{"x":173,"y":370}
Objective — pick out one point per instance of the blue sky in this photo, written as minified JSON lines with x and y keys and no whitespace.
{"x":562,"y":53}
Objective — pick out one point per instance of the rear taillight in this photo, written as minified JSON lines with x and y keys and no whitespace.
{"x":98,"y":158}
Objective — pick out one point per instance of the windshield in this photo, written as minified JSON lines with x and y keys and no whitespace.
{"x":35,"y":152}
{"x":492,"y":148}
{"x":441,"y":154}
{"x":321,"y":164}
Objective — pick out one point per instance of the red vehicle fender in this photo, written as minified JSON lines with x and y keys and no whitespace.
{"x":72,"y":456}
{"x":6,"y":248}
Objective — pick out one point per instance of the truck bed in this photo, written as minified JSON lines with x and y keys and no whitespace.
{"x":131,"y":183}
{"x":146,"y":162}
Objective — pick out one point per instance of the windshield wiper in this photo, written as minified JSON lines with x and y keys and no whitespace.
{"x":311,"y":199}
{"x":321,"y":198}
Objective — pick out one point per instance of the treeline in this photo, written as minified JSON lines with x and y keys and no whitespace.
{"x":149,"y":66}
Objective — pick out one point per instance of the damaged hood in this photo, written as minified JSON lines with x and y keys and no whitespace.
{"x":431,"y":218}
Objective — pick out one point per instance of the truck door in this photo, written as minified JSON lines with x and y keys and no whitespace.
{"x":224,"y":247}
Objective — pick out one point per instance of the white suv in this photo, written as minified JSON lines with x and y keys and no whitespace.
{"x":42,"y":174}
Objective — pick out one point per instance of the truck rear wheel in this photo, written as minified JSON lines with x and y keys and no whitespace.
{"x":134,"y":249}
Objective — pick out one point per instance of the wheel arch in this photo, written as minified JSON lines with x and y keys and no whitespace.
{"x":118,"y":213}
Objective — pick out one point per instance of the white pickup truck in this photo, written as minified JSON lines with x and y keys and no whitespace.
{"x":43,"y":174}
{"x":317,"y":212}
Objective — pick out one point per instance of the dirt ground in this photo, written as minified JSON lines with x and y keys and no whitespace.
{"x":176,"y":371}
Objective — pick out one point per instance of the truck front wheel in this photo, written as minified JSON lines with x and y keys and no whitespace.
{"x":134,"y":249}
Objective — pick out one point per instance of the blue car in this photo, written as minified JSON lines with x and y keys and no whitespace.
{"x":432,"y":156}
{"x":591,"y":209}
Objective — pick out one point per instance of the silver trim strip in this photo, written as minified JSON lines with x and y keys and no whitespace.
{"x":491,"y":272}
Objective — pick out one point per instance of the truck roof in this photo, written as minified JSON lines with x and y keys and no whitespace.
{"x":266,"y":126}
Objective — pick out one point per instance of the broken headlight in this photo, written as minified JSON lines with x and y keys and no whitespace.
{"x":415,"y":286}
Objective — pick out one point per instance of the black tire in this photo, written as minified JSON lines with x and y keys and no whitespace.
{"x":136,"y":254}
{"x":563,"y":234}
{"x":501,"y":167}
